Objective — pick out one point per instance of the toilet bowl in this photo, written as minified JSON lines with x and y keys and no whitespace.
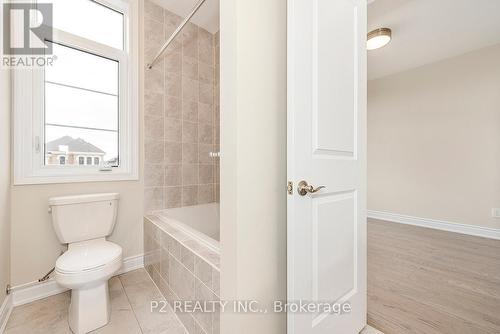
{"x":83,"y":222}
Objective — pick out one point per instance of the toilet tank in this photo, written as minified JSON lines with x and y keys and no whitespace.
{"x":84,"y":217}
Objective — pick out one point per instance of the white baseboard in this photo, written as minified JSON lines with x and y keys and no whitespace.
{"x":476,"y":231}
{"x":31,"y":292}
{"x":132,"y":263}
{"x":5,"y":311}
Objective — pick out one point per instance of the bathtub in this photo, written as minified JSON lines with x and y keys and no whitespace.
{"x":182,"y":245}
{"x":199,"y":221}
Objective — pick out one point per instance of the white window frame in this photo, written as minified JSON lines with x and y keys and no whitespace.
{"x":28,"y":107}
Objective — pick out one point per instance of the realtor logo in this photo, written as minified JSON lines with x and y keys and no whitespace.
{"x":27,"y":28}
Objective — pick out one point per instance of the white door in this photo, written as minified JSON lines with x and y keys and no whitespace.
{"x":327,"y":147}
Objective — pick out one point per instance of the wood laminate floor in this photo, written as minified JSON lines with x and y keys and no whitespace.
{"x":425,"y":281}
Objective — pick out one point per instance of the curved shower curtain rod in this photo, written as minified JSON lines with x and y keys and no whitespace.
{"x":176,"y":32}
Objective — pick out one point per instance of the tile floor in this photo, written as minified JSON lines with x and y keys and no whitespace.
{"x":131,"y":295}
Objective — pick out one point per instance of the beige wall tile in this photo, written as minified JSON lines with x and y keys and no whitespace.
{"x":173,"y":107}
{"x":153,"y":11}
{"x":181,"y":280}
{"x":173,"y":86}
{"x":153,"y":103}
{"x":189,"y":195}
{"x":154,"y":32}
{"x":173,"y":62}
{"x":190,"y":110}
{"x":173,"y":130}
{"x":172,"y":21}
{"x":173,"y":197}
{"x":153,"y":198}
{"x":206,"y":47}
{"x":206,"y":193}
{"x":153,"y":151}
{"x":153,"y":175}
{"x":190,"y":41}
{"x":190,"y":67}
{"x":181,"y":88}
{"x":153,"y":127}
{"x":187,"y":259}
{"x":206,"y":134}
{"x":189,"y":153}
{"x":173,"y":175}
{"x":189,"y":132}
{"x":203,"y":271}
{"x":206,"y":93}
{"x":205,"y":113}
{"x":204,"y":153}
{"x":154,"y":80}
{"x":189,"y":174}
{"x":173,"y":153}
{"x":206,"y":174}
{"x":206,"y":73}
{"x":164,"y":263}
{"x":216,"y":282}
{"x":190,"y":89}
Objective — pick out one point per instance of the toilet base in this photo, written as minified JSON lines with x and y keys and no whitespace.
{"x":89,"y":308}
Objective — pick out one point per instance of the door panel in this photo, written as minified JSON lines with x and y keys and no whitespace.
{"x":334,"y":84}
{"x":337,"y":266}
{"x":327,"y":147}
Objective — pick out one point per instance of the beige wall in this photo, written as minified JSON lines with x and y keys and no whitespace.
{"x":181,"y":123}
{"x":34,"y":245}
{"x":253,"y":165}
{"x":434,"y":140}
{"x":4,"y":182}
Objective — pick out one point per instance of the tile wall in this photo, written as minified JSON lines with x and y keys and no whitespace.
{"x":184,"y":270}
{"x":181,"y":113}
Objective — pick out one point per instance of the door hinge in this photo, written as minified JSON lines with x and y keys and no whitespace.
{"x":8,"y":289}
{"x":289,"y":188}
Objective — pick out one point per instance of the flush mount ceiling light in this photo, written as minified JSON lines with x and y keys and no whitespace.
{"x":378,"y":38}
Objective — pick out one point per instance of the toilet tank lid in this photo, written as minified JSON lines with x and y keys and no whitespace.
{"x":88,"y":198}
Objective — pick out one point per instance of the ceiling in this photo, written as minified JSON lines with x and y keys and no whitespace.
{"x":206,"y":17}
{"x":426,"y":31}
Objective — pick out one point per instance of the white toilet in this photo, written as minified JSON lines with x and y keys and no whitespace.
{"x":83,"y":222}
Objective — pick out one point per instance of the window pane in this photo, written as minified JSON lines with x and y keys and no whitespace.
{"x":75,"y":143}
{"x":81,"y":108}
{"x":90,"y":20}
{"x":83,"y":70}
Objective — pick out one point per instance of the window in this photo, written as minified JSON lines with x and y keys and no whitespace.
{"x":84,"y":106}
{"x":81,"y":103}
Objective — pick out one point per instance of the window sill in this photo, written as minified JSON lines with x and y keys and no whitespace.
{"x":86,"y":177}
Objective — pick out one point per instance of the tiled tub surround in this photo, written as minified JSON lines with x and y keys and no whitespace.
{"x":183,"y":268}
{"x":181,"y":113}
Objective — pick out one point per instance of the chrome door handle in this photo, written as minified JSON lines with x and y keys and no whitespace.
{"x":304,"y":188}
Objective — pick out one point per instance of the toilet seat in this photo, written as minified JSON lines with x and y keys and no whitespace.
{"x":88,"y":255}
{"x":87,"y":263}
